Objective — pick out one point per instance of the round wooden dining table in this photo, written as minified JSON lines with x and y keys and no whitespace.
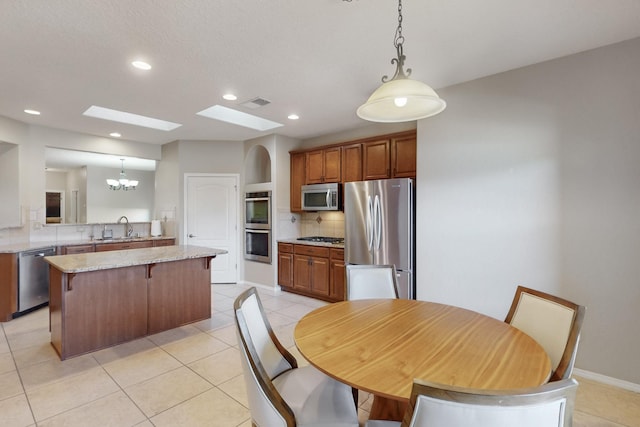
{"x":381,"y":345}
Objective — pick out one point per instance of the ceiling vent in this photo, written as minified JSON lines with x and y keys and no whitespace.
{"x":255,"y":103}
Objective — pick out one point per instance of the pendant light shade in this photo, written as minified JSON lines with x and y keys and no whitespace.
{"x":123,"y":183}
{"x":401,"y":99}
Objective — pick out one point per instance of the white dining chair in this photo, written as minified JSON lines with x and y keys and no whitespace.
{"x":371,"y":281}
{"x":555,"y":323}
{"x":281,"y":394}
{"x":437,"y":405}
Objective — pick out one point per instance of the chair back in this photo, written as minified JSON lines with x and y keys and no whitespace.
{"x":263,"y":358}
{"x":555,"y":323}
{"x":371,"y":281}
{"x":437,"y":405}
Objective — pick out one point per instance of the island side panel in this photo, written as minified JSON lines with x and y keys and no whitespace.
{"x":102,"y":308}
{"x":179,"y":293}
{"x":8,"y":286}
{"x":56,"y":278}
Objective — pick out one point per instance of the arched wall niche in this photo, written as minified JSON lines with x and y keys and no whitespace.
{"x":257,"y":166}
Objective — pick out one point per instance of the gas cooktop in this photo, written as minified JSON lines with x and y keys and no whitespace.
{"x":335,"y":240}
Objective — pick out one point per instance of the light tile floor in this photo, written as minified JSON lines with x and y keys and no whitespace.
{"x":189,"y":376}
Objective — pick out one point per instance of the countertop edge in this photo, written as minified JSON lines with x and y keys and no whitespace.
{"x":295,"y":241}
{"x":94,"y":261}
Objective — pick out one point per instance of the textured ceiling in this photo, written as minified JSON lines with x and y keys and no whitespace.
{"x":320,"y":59}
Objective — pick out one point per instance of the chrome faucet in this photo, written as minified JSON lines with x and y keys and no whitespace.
{"x":128,"y":229}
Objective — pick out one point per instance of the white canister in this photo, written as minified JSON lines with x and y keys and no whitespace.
{"x":156,"y":228}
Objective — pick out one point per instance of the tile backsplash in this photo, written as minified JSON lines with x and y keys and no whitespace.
{"x":327,"y":224}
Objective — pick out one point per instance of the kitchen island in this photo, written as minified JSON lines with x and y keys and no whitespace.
{"x":106,"y":298}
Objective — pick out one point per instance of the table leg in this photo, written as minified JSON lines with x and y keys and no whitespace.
{"x":387,"y":409}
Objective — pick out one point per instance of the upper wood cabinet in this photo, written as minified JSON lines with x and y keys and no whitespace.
{"x":323,"y":165}
{"x":382,"y":157}
{"x":352,"y":162}
{"x":376,"y":159}
{"x":298,"y":177}
{"x":403,"y":157}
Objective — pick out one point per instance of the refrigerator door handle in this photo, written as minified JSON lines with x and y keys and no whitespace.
{"x":378,"y":221}
{"x":369,"y":223}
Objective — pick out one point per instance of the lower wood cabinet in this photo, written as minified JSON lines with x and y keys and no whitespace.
{"x":285,"y":265}
{"x":78,"y":249}
{"x":102,"y":247}
{"x":8,"y":286}
{"x":315,"y":271}
{"x":164,"y":242}
{"x":337,"y":275}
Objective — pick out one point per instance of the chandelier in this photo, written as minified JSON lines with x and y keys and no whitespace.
{"x":401,"y":99}
{"x":122,"y":183}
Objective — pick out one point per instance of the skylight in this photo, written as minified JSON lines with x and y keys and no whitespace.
{"x":130,"y":118}
{"x":218,"y":112}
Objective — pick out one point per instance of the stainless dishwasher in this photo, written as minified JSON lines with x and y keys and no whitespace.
{"x":33,"y":278}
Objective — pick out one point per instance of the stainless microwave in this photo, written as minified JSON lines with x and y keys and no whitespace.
{"x":321,"y":197}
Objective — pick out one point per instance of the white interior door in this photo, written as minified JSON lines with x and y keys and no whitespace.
{"x":212,"y":221}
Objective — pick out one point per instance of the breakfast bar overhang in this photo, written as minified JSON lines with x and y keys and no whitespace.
{"x":101,"y":299}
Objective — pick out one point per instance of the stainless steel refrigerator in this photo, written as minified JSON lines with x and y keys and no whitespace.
{"x":379,"y":227}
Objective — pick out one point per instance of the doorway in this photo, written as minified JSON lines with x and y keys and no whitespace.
{"x":211,"y":220}
{"x":54,"y":207}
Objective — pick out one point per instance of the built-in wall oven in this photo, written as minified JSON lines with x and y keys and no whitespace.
{"x":257,"y":226}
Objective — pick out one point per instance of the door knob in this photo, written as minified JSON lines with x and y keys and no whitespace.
{"x":191,"y":235}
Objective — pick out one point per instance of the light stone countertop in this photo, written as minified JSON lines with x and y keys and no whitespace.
{"x":93,"y":261}
{"x":13,"y":248}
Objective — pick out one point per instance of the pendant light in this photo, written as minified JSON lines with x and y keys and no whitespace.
{"x":122,"y":183}
{"x":401,"y":99}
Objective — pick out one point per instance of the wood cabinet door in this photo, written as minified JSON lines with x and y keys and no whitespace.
{"x":297,"y":181}
{"x":302,"y":273}
{"x":375,"y":160}
{"x":179,"y":293}
{"x":77,"y":249}
{"x":337,"y":278}
{"x":164,"y":242}
{"x":403,"y":157}
{"x":104,"y":247}
{"x":315,"y":167}
{"x":8,"y":286}
{"x":285,"y":270}
{"x":352,"y":163}
{"x":332,"y":164}
{"x":320,"y":276}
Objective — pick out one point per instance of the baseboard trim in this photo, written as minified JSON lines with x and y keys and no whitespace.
{"x":274,"y":288}
{"x":607,"y":380}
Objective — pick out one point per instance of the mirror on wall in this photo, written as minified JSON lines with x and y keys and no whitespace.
{"x":77,"y":191}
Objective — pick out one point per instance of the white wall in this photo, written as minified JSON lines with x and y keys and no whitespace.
{"x":10,"y":215}
{"x":531,"y":177}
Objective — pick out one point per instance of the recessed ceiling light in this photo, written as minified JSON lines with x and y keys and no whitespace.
{"x":129,"y":118}
{"x":293,"y":117}
{"x":218,"y":112}
{"x":115,"y":134}
{"x":32,"y":112}
{"x":141,"y":65}
{"x":229,"y":97}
